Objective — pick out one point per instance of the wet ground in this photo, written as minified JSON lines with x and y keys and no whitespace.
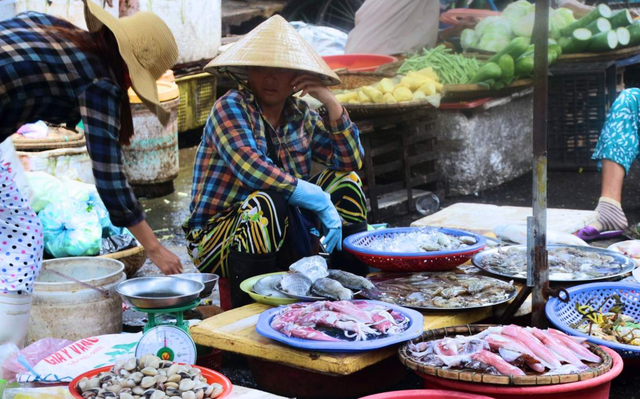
{"x":572,"y":190}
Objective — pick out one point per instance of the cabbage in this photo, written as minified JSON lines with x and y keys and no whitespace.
{"x":524,"y":26}
{"x":494,"y":25}
{"x":468,"y":38}
{"x":567,"y":14}
{"x":493,"y":42}
{"x":517,"y":10}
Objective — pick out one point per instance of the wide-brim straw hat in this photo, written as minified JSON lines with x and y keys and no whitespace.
{"x":146,"y":45}
{"x":274,"y":43}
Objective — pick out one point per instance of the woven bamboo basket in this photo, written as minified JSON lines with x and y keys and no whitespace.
{"x":483,"y":378}
{"x":354,"y":80}
{"x":58,"y":137}
{"x":132,"y":258}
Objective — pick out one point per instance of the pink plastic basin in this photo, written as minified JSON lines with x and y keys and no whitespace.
{"x":426,"y":393}
{"x":595,"y":388}
{"x":358,"y":62}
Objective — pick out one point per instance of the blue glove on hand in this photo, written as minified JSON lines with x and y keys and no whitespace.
{"x":311,"y":197}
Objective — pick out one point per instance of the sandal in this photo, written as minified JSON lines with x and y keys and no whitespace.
{"x":590,"y":234}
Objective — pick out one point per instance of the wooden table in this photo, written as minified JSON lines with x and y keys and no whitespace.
{"x":234,"y":331}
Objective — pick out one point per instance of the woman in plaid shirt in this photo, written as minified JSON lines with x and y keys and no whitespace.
{"x":52,"y":71}
{"x":254,"y":202}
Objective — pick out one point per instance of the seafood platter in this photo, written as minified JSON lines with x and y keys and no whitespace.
{"x":414,"y":249}
{"x":440,"y":290}
{"x":309,"y":279}
{"x":508,"y":355}
{"x":150,"y":378}
{"x":604,"y":313}
{"x":630,"y":248}
{"x":340,"y":326}
{"x":567,"y":263}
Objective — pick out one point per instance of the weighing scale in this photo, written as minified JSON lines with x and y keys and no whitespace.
{"x":168,"y":340}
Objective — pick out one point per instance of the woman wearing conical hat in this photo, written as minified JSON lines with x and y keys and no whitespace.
{"x":253,"y":197}
{"x":52,"y":71}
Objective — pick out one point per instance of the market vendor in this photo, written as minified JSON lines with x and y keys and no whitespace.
{"x":253,"y":193}
{"x":616,"y":150}
{"x":52,"y":71}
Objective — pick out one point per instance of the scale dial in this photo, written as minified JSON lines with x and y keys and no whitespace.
{"x":168,"y":343}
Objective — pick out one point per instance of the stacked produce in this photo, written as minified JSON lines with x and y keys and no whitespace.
{"x":508,"y":350}
{"x":450,"y":68}
{"x":356,"y":320}
{"x":422,"y":85}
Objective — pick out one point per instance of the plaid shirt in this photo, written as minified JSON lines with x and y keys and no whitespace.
{"x":43,"y":77}
{"x":232,"y":159}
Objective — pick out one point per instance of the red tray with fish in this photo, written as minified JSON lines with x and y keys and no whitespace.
{"x":505,"y":355}
{"x":414,"y":249}
{"x":340,"y":326}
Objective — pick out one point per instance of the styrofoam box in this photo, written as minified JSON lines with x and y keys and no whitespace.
{"x":196,"y":24}
{"x":71,"y":10}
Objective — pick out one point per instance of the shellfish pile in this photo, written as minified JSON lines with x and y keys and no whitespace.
{"x":426,"y":239}
{"x":149,"y":378}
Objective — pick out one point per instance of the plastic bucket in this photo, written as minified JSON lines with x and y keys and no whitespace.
{"x":595,"y":388}
{"x":424,"y":394}
{"x":68,"y":310}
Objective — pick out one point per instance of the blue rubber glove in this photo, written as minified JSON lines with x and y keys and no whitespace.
{"x":311,"y":197}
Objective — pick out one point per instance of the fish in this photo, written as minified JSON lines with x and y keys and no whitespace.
{"x":267,"y":286}
{"x":350,"y":280}
{"x":518,"y":233}
{"x":296,"y":284}
{"x":314,"y":267}
{"x":331,"y":289}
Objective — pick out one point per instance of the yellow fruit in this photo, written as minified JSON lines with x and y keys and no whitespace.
{"x":419,"y":96}
{"x":352,"y":95}
{"x":363,"y":98}
{"x":410,"y":83}
{"x":386,"y":85}
{"x":342,"y":98}
{"x":428,"y":88}
{"x":430,"y":73}
{"x":402,"y":94}
{"x":388,"y":98}
{"x":373,"y":94}
{"x":353,"y":102}
{"x":439,"y":87}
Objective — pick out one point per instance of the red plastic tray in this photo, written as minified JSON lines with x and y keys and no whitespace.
{"x":358,"y":62}
{"x":210,"y":375}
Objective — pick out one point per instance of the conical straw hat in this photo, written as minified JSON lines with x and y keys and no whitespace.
{"x":145,"y":44}
{"x":274,"y":43}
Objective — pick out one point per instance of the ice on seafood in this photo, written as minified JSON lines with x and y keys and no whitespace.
{"x":267,"y":286}
{"x":421,"y":240}
{"x":328,"y":288}
{"x":314,"y":267}
{"x":358,"y":320}
{"x":565,"y":263}
{"x":350,"y":280}
{"x":446,"y":290}
{"x":295,"y":284}
{"x":507,"y":350}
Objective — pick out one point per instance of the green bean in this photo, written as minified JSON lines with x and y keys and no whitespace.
{"x":451,"y":68}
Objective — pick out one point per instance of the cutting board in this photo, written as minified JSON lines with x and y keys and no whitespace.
{"x":482,"y":218}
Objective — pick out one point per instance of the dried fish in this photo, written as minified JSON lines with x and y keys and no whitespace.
{"x":332,"y":289}
{"x":296,"y":284}
{"x":350,"y":280}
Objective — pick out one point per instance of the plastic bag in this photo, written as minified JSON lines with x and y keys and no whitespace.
{"x":31,"y":355}
{"x":47,"y":189}
{"x":70,"y":229}
{"x":117,"y":243}
{"x":323,"y":39}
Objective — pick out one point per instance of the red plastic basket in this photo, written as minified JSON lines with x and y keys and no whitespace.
{"x":358,"y":244}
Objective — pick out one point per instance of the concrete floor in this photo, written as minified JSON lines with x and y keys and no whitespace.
{"x":566,"y":190}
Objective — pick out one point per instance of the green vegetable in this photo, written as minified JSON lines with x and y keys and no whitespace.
{"x":467,"y":38}
{"x":507,"y":66}
{"x":623,"y":36}
{"x":604,"y":41}
{"x":515,"y":48}
{"x":524,"y":26}
{"x":599,"y":25}
{"x":621,"y":19}
{"x":451,"y":68}
{"x":577,"y":43}
{"x":601,"y":11}
{"x":489,"y":71}
{"x":556,"y":48}
{"x":498,"y":85}
{"x":524,"y":67}
{"x":634,"y":33}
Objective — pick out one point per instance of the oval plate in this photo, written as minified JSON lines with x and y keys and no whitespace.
{"x":385,"y":277}
{"x":416,"y":326}
{"x":310,"y":298}
{"x":210,"y":375}
{"x":247,"y":286}
{"x":616,"y":248}
{"x":627,"y":263}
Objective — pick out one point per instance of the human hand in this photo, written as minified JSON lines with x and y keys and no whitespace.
{"x":165,"y":260}
{"x":332,"y":224}
{"x":313,"y":86}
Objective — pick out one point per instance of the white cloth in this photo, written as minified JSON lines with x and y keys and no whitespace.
{"x":394,"y":27}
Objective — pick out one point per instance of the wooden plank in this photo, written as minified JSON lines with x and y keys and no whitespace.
{"x":234,"y":331}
